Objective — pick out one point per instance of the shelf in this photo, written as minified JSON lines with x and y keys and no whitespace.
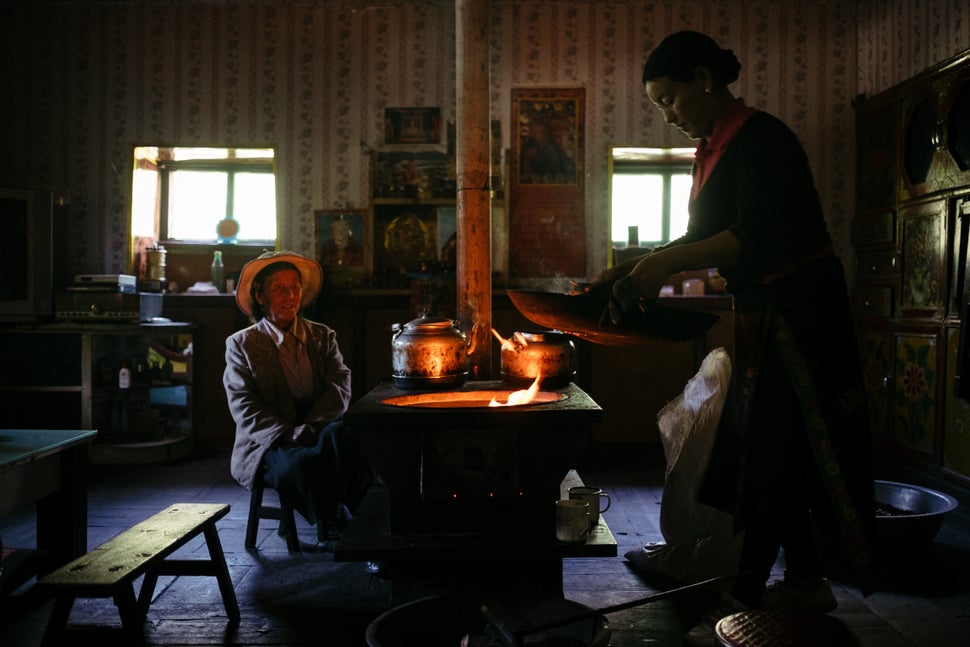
{"x":75,"y":385}
{"x":152,"y":451}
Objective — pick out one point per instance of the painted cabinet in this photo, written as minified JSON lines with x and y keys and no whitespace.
{"x":910,"y":297}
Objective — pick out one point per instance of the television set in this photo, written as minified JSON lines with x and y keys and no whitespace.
{"x":26,"y":254}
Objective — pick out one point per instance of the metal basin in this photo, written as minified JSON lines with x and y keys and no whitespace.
{"x":908,"y":517}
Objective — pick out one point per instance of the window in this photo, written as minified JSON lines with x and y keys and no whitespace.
{"x":204,"y":195}
{"x":650,"y":188}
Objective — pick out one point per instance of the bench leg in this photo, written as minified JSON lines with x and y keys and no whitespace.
{"x":132,"y":620}
{"x":58,"y":620}
{"x":218,"y":558}
{"x":146,"y":593}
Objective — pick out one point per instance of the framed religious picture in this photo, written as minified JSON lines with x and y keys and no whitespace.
{"x":405,"y":243}
{"x":412,"y":126}
{"x":548,"y":135}
{"x":341,"y":244}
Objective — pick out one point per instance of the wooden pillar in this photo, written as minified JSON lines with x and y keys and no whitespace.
{"x":474,"y":267}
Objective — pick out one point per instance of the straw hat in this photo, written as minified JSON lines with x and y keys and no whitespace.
{"x":311,"y":275}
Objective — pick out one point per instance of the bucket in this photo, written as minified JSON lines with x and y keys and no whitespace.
{"x":441,"y":620}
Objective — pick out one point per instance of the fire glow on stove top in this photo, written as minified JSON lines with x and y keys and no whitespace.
{"x":478,"y":398}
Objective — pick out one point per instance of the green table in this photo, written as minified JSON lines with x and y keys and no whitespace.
{"x":48,"y":467}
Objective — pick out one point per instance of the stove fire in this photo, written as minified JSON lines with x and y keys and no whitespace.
{"x":471,"y":399}
{"x":523,"y":396}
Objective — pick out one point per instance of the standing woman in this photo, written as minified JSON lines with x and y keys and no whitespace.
{"x":288,"y":388}
{"x":791,"y":459}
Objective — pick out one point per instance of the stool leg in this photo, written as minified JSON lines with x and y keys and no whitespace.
{"x":252,"y":524}
{"x":288,"y":524}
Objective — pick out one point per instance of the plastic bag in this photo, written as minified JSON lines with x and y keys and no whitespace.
{"x":699,"y":541}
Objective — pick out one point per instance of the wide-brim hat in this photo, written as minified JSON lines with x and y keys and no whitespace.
{"x":311,"y":276}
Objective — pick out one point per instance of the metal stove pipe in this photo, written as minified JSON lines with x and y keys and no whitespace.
{"x":474,"y":223}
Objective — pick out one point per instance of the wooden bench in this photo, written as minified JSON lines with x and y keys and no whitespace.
{"x":111,"y":569}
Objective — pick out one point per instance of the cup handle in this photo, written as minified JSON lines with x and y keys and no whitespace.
{"x":608,"y":502}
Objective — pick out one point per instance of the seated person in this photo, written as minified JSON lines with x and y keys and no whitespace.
{"x":288,"y":387}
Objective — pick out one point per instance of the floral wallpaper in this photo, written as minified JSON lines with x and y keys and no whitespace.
{"x":93,"y":79}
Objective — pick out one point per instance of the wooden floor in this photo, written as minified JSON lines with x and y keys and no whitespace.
{"x":308,"y":599}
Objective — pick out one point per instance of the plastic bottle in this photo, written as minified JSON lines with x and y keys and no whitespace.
{"x":218,"y":271}
{"x":124,"y":376}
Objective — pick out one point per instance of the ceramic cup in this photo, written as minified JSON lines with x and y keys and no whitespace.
{"x":594,"y":496}
{"x":572,"y":520}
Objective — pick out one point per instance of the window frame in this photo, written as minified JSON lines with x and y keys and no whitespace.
{"x":229,"y":166}
{"x":666,"y":162}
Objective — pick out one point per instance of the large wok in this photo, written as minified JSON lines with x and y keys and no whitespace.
{"x":584,"y":316}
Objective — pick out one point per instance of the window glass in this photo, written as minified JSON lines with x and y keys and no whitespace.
{"x":637,"y":202}
{"x":196,"y":202}
{"x":182,"y":193}
{"x":254,"y":205}
{"x":144,"y":215}
{"x":680,"y":186}
{"x":651,"y":189}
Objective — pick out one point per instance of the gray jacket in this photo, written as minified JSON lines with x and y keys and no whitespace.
{"x":259,"y":397}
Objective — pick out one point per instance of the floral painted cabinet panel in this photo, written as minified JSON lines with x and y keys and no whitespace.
{"x":924,"y":259}
{"x":915,"y":392}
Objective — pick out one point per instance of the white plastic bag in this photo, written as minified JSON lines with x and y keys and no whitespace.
{"x":699,"y":542}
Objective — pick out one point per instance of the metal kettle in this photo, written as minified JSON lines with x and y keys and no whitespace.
{"x":429,"y":353}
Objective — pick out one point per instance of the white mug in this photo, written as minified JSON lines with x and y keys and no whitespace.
{"x":594,"y":496}
{"x":572,"y":520}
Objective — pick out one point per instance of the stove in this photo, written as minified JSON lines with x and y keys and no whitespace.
{"x":452,"y":465}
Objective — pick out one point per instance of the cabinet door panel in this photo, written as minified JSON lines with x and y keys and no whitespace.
{"x":872,"y":301}
{"x":878,"y":229}
{"x":956,"y":424}
{"x":915,"y":385}
{"x":878,"y":374}
{"x":878,"y":266}
{"x":923,"y":270}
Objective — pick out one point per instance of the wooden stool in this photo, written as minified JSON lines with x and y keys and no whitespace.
{"x":110,"y":570}
{"x":764,"y":628}
{"x":283,"y":514}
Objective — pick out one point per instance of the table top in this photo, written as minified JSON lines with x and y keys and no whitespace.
{"x":18,"y":446}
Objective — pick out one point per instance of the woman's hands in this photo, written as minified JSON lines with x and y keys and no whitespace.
{"x":644,"y":281}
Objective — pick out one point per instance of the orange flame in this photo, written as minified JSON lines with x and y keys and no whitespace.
{"x":525,"y":396}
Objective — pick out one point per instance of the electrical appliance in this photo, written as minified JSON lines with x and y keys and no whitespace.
{"x":26,"y":254}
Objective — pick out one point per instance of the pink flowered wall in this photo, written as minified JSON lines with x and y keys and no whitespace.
{"x":82,"y":82}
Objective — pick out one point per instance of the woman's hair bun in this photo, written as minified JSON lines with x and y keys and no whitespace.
{"x":679,"y":54}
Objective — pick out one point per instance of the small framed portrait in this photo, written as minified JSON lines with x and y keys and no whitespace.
{"x":548,"y":135}
{"x":412,"y":126}
{"x":341,"y":246}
